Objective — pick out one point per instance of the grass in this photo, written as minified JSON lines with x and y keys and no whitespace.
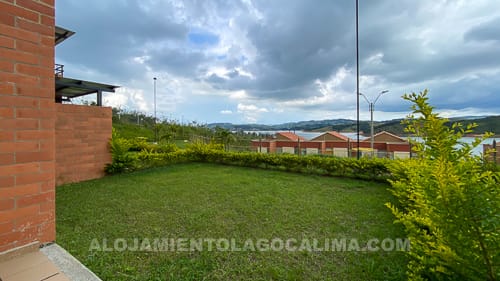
{"x":211,"y":201}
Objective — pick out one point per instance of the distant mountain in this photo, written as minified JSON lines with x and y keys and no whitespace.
{"x":311,"y":125}
{"x":467,"y":118}
{"x":302,"y":125}
{"x":485,"y":124}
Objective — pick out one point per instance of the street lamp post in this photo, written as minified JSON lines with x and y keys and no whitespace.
{"x":357,"y":78}
{"x":156,"y":130}
{"x":372,"y":108}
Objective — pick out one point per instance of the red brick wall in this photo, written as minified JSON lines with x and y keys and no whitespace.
{"x":27,"y":156}
{"x":401,"y":147}
{"x":82,"y":142}
{"x":311,"y":144}
{"x":272,"y":147}
{"x":336,"y":144}
{"x":264,"y":144}
{"x":286,"y":143}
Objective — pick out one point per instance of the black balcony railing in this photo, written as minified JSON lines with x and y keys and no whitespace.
{"x":59,"y":70}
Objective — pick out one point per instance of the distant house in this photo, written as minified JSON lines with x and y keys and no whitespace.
{"x":492,"y":151}
{"x":385,"y":143}
{"x":287,"y":142}
{"x":288,"y":136}
{"x":333,"y":143}
{"x":386,"y":137}
{"x":281,"y":142}
{"x":332,"y":136}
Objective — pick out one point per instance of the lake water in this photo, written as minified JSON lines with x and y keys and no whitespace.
{"x":310,"y":135}
{"x":479,"y":149}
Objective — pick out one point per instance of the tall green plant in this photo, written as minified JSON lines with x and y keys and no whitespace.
{"x":448,"y":202}
{"x":122,"y":159}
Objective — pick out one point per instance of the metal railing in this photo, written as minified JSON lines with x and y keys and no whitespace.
{"x":59,"y":70}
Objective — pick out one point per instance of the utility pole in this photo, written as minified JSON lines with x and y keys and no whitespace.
{"x":155,"y":127}
{"x":372,"y":108}
{"x":357,"y":78}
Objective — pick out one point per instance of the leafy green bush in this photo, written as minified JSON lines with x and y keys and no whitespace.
{"x":156,"y":159}
{"x":138,"y":154}
{"x":140,"y":144}
{"x":449,"y":202}
{"x":200,"y":151}
{"x":371,"y":169}
{"x":164,"y":147}
{"x":122,"y":159}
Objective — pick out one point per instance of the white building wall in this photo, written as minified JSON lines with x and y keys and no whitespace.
{"x":340,"y":152}
{"x":401,"y":155}
{"x":310,"y":151}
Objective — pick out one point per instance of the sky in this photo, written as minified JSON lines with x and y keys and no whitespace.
{"x":274,"y":61}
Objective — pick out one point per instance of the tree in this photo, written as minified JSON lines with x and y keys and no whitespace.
{"x":224,"y":137}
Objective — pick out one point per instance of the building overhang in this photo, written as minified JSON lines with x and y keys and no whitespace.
{"x":68,"y":88}
{"x":62,"y":34}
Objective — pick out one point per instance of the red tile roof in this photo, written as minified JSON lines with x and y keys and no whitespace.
{"x":289,"y":135}
{"x":393,"y":136}
{"x":332,"y":133}
{"x":338,"y":135}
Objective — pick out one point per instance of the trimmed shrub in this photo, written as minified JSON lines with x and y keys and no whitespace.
{"x":125,"y":160}
{"x":370,"y":169}
{"x":155,"y":159}
{"x":141,"y":144}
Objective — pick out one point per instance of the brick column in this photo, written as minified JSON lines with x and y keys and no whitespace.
{"x":27,"y":118}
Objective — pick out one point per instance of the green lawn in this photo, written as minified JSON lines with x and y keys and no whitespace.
{"x":209,"y":201}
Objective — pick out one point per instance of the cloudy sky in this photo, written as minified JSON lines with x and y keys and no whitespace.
{"x":273,"y":61}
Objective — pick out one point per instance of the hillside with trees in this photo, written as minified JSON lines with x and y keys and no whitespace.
{"x":135,"y":125}
{"x":485,"y":124}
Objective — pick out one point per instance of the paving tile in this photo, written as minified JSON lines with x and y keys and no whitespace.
{"x":58,"y":277}
{"x":21,"y":263}
{"x":33,"y":266}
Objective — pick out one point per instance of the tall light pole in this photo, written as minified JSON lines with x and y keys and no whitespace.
{"x":156,"y":131}
{"x":357,"y":80}
{"x":372,"y":108}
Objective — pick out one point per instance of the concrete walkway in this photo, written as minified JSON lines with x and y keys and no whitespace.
{"x":68,"y":264}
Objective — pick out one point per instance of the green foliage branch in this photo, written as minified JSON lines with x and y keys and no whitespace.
{"x":448,"y":200}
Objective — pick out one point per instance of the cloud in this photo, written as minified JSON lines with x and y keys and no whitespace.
{"x":279,"y":61}
{"x":127,"y":98}
{"x":251,"y":112}
{"x":484,"y":31}
{"x":184,"y":63}
{"x":226,"y":112}
{"x":108,"y":34}
{"x":251,"y":108}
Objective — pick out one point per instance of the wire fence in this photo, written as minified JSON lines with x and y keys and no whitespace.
{"x":343,"y":154}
